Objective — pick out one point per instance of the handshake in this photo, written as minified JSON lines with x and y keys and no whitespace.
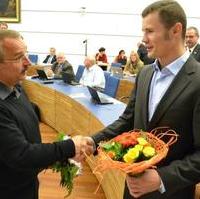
{"x":83,"y":146}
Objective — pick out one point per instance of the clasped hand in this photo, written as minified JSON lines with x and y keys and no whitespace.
{"x":83,"y":146}
{"x":148,"y":182}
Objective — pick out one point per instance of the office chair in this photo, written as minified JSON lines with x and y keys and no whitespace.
{"x":33,"y":58}
{"x":116,"y":65}
{"x":111,"y":86}
{"x":79,"y":72}
{"x":107,"y":75}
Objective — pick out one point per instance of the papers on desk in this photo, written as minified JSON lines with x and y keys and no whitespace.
{"x":78,"y":95}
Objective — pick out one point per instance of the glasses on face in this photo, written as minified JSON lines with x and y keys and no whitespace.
{"x":19,"y":59}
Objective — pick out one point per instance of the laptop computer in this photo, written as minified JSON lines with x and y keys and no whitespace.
{"x":43,"y":76}
{"x":69,"y":78}
{"x":96,"y":98}
{"x":117,"y":72}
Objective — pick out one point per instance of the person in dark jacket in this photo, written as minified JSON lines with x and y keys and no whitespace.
{"x":143,"y":54}
{"x":51,"y":58}
{"x":166,"y":93}
{"x":191,"y":40}
{"x":22,"y":155}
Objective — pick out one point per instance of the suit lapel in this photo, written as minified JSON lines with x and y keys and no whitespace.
{"x":181,"y":81}
{"x":196,"y":51}
{"x":145,"y":91}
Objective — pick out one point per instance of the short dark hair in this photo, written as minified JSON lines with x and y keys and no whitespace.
{"x":102,"y":49}
{"x":121,"y":51}
{"x":170,"y":12}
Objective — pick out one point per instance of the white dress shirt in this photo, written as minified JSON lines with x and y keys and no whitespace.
{"x":162,"y":79}
{"x":93,"y":77}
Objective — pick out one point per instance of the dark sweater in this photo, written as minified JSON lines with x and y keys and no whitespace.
{"x":22,"y":155}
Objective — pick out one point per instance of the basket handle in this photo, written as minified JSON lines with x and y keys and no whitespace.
{"x":160,"y":132}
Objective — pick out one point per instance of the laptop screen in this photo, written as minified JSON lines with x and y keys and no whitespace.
{"x":42,"y":74}
{"x":93,"y":94}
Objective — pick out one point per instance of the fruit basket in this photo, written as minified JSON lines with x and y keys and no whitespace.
{"x":135,"y":151}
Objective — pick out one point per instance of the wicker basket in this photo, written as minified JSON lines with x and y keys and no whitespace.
{"x":154,"y":138}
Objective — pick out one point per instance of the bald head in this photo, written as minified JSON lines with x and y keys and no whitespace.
{"x":89,"y":61}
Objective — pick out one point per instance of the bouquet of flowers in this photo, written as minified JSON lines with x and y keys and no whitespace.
{"x":68,"y":170}
{"x":135,"y":151}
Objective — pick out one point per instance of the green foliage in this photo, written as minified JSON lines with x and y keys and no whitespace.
{"x":67,"y":173}
{"x":66,"y":169}
{"x":116,"y":148}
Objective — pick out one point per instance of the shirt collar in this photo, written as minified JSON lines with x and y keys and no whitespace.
{"x":91,"y":68}
{"x":191,"y":49}
{"x":6,"y":92}
{"x":173,"y":67}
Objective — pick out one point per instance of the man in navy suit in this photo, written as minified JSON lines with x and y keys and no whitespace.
{"x":191,"y":38}
{"x":167,"y":93}
{"x":51,"y":58}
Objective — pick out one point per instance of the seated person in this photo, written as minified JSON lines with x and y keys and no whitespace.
{"x":121,"y":58}
{"x":60,"y":66}
{"x":143,"y":54}
{"x":101,"y":55}
{"x":93,"y":75}
{"x":51,"y":58}
{"x":133,"y":65}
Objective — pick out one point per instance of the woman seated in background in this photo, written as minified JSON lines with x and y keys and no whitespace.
{"x":121,"y":58}
{"x":134,"y":64}
{"x":101,"y":56}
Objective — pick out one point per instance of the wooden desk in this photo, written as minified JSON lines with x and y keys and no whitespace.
{"x":66,"y":114}
{"x":124,"y":90}
{"x":32,"y":69}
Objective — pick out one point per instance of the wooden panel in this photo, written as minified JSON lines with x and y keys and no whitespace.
{"x":95,"y":125}
{"x":32,"y":69}
{"x":63,"y":113}
{"x":44,"y":97}
{"x":124,"y":90}
{"x":80,"y":119}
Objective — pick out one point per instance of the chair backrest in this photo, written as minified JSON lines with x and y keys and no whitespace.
{"x":79,"y":72}
{"x":111,"y":86}
{"x":116,"y":65}
{"x":33,"y":58}
{"x":107,"y":75}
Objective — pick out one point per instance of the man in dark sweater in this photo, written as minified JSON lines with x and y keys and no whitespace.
{"x":22,"y":155}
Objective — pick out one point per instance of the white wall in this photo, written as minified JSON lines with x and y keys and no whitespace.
{"x":113,"y":24}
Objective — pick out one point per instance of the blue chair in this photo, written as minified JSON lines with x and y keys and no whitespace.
{"x":116,"y":65}
{"x":33,"y":58}
{"x":111,"y":86}
{"x":79,"y":72}
{"x":107,"y":75}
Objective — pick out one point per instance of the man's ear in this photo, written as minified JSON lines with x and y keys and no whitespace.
{"x":177,"y":29}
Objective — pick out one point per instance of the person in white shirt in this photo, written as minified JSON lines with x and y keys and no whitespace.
{"x":93,"y":75}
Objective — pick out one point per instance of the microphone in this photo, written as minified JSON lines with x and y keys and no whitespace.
{"x":85,"y":41}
